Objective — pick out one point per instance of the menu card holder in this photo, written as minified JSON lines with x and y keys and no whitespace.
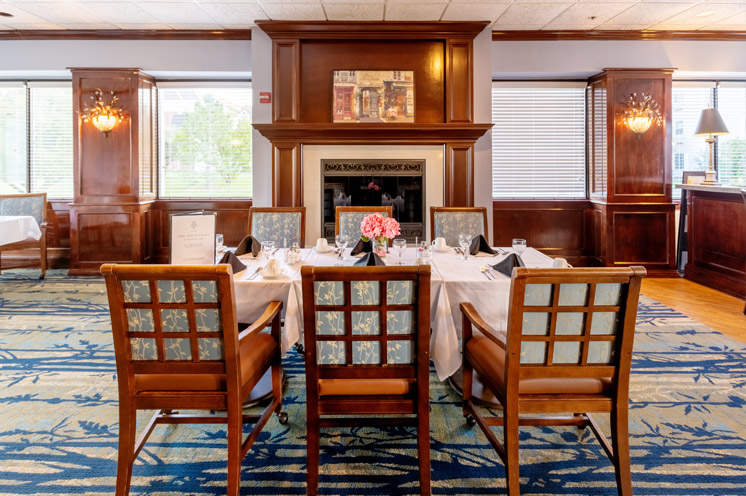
{"x":192,"y":238}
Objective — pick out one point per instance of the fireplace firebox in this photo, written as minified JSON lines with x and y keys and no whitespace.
{"x":365,"y":182}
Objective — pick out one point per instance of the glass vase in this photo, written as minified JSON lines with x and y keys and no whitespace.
{"x":380,"y":247}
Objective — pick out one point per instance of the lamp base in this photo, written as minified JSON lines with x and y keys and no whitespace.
{"x":710,"y":178}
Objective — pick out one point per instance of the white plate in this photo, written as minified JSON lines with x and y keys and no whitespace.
{"x":269,"y":275}
{"x":328,"y":249}
{"x":441,"y":250}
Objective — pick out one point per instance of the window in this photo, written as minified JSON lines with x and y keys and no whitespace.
{"x":689,"y":99}
{"x":538,"y":140}
{"x":36,"y":136}
{"x":204,"y":140}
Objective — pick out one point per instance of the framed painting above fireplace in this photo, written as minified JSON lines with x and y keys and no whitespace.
{"x":373,"y":96}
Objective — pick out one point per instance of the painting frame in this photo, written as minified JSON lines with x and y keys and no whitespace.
{"x":373,"y":96}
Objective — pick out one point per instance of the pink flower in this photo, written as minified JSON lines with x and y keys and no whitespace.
{"x":377,"y":226}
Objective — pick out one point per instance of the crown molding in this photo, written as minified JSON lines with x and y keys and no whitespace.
{"x":126,"y":34}
{"x":603,"y":35}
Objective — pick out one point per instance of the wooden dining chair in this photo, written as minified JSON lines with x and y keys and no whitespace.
{"x":348,"y":219}
{"x":743,"y":194}
{"x":449,"y":222}
{"x":567,"y":349}
{"x":35,"y":205}
{"x":367,"y":354}
{"x":280,"y":224}
{"x":177,"y":347}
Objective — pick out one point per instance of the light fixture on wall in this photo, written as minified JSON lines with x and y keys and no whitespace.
{"x":104,"y":117}
{"x":710,"y":124}
{"x":640,"y":114}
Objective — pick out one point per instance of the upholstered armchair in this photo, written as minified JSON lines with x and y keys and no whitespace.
{"x":348,"y":219}
{"x":177,"y":346}
{"x":367,"y":333}
{"x":449,"y":222}
{"x":35,"y":205}
{"x":280,"y":224}
{"x":567,"y":349}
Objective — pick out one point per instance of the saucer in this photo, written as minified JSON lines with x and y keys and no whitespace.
{"x":328,"y":249}
{"x":269,"y":275}
{"x":441,"y":250}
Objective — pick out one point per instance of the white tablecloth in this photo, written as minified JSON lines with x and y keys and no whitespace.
{"x":452,"y":281}
{"x":15,"y":228}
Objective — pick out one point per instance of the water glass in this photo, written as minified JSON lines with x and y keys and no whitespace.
{"x":519,"y":245}
{"x":464,"y":241}
{"x":426,"y":250}
{"x":294,"y":254}
{"x":268,"y":248}
{"x":219,"y":242}
{"x":400,"y":244}
{"x":341,"y":240}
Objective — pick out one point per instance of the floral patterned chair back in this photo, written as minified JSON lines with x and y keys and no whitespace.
{"x":348,"y":220}
{"x":449,"y":222}
{"x":367,"y":332}
{"x":34,"y":204}
{"x":279,"y":224}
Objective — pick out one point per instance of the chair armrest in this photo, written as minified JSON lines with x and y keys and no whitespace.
{"x":497,"y":337}
{"x":271,"y":313}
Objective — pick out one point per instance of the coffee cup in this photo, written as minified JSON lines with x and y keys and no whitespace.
{"x":440,"y":243}
{"x":560,"y":263}
{"x":322,"y":244}
{"x":273,"y":267}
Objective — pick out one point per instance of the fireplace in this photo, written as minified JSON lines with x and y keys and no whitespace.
{"x":370,"y":182}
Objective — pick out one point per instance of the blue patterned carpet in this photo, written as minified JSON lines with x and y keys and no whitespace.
{"x":58,"y":419}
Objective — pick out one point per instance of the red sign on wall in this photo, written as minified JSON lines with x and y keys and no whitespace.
{"x":265,"y":97}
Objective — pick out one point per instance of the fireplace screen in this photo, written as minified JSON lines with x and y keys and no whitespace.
{"x":398,"y":183}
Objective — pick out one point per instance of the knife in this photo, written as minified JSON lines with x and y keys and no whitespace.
{"x":252,"y":276}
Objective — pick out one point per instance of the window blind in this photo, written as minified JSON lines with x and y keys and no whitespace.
{"x":731,"y":148}
{"x":13,"y":178}
{"x":204,"y":140}
{"x":51,"y":140}
{"x":538,"y":140}
{"x":690,"y":153}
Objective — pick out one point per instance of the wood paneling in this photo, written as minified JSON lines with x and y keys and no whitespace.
{"x":285,"y":81}
{"x":717,"y":241}
{"x":365,"y":133}
{"x":619,"y":35}
{"x":287,"y":175}
{"x":459,"y":175}
{"x":126,"y":34}
{"x":459,"y":82}
{"x":319,"y":59}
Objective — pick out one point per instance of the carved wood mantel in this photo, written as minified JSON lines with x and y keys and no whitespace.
{"x":305,"y":54}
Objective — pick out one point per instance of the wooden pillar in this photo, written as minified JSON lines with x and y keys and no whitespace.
{"x":115,"y":175}
{"x":630,"y":174}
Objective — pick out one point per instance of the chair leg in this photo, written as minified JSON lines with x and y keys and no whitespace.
{"x":512,"y":474}
{"x":127,"y":435}
{"x":423,"y":453}
{"x":43,"y":255}
{"x":312,"y":456}
{"x":235,"y":434}
{"x":620,"y":442}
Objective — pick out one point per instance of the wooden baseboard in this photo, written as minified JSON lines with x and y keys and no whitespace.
{"x":57,"y":258}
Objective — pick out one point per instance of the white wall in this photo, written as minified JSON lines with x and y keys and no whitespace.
{"x":581,"y":59}
{"x":483,"y":113}
{"x":261,"y":56}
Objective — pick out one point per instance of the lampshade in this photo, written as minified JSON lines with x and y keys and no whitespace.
{"x":710,"y":124}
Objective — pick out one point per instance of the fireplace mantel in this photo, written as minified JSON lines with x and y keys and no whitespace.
{"x":373,"y":134}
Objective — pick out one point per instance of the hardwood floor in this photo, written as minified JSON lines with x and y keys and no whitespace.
{"x":722,"y":312}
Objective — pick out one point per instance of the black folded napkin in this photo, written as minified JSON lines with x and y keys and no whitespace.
{"x":480,"y":244}
{"x":232,"y":259}
{"x":506,"y":266}
{"x":362,"y":247}
{"x":248,"y":244}
{"x":370,"y":260}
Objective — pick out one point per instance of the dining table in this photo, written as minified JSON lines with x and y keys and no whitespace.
{"x":453,"y":280}
{"x":17,"y":228}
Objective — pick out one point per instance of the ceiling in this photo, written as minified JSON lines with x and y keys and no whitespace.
{"x":724,"y":15}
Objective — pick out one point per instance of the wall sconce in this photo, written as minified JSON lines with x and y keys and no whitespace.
{"x":639,"y":115}
{"x":103,"y":117}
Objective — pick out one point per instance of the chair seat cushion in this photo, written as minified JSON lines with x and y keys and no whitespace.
{"x":255,"y":354}
{"x":363,"y":387}
{"x":488,"y":360}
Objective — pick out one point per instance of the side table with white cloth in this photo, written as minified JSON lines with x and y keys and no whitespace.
{"x":17,"y":231}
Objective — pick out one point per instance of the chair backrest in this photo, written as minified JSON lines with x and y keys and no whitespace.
{"x":743,"y":193}
{"x":367,"y":324}
{"x":172,"y":319}
{"x":34,"y":204}
{"x":449,"y":222}
{"x":278,"y":224}
{"x":571,"y":323}
{"x":348,"y":219}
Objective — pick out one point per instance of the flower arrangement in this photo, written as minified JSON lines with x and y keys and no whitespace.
{"x":381,"y":230}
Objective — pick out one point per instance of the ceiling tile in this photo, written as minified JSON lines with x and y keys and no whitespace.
{"x":118,"y":12}
{"x":482,"y":2}
{"x":87,"y":25}
{"x":530,"y":13}
{"x":414,"y":11}
{"x":20,"y":16}
{"x":353,"y":2}
{"x":587,"y":15}
{"x":146,"y":25}
{"x":649,"y":13}
{"x":516,"y":27}
{"x":294,"y":12}
{"x":621,"y":27}
{"x":354,"y":11}
{"x":193,"y":25}
{"x":60,"y":12}
{"x":238,"y":26}
{"x":735,"y":23}
{"x":178,"y":12}
{"x":36,"y":26}
{"x":473,"y":12}
{"x":262,"y":2}
{"x":234,"y":13}
{"x":689,"y":18}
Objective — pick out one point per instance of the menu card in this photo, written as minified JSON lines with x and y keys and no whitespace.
{"x":192,"y":238}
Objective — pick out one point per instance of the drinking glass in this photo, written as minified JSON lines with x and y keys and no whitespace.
{"x":268,"y":248}
{"x":464,"y":241}
{"x":340,"y":240}
{"x":219,"y":243}
{"x":400,"y":244}
{"x":427,"y":253}
{"x":519,"y":245}
{"x":294,"y":254}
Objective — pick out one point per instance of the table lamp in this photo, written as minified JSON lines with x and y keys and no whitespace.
{"x":710,"y":124}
